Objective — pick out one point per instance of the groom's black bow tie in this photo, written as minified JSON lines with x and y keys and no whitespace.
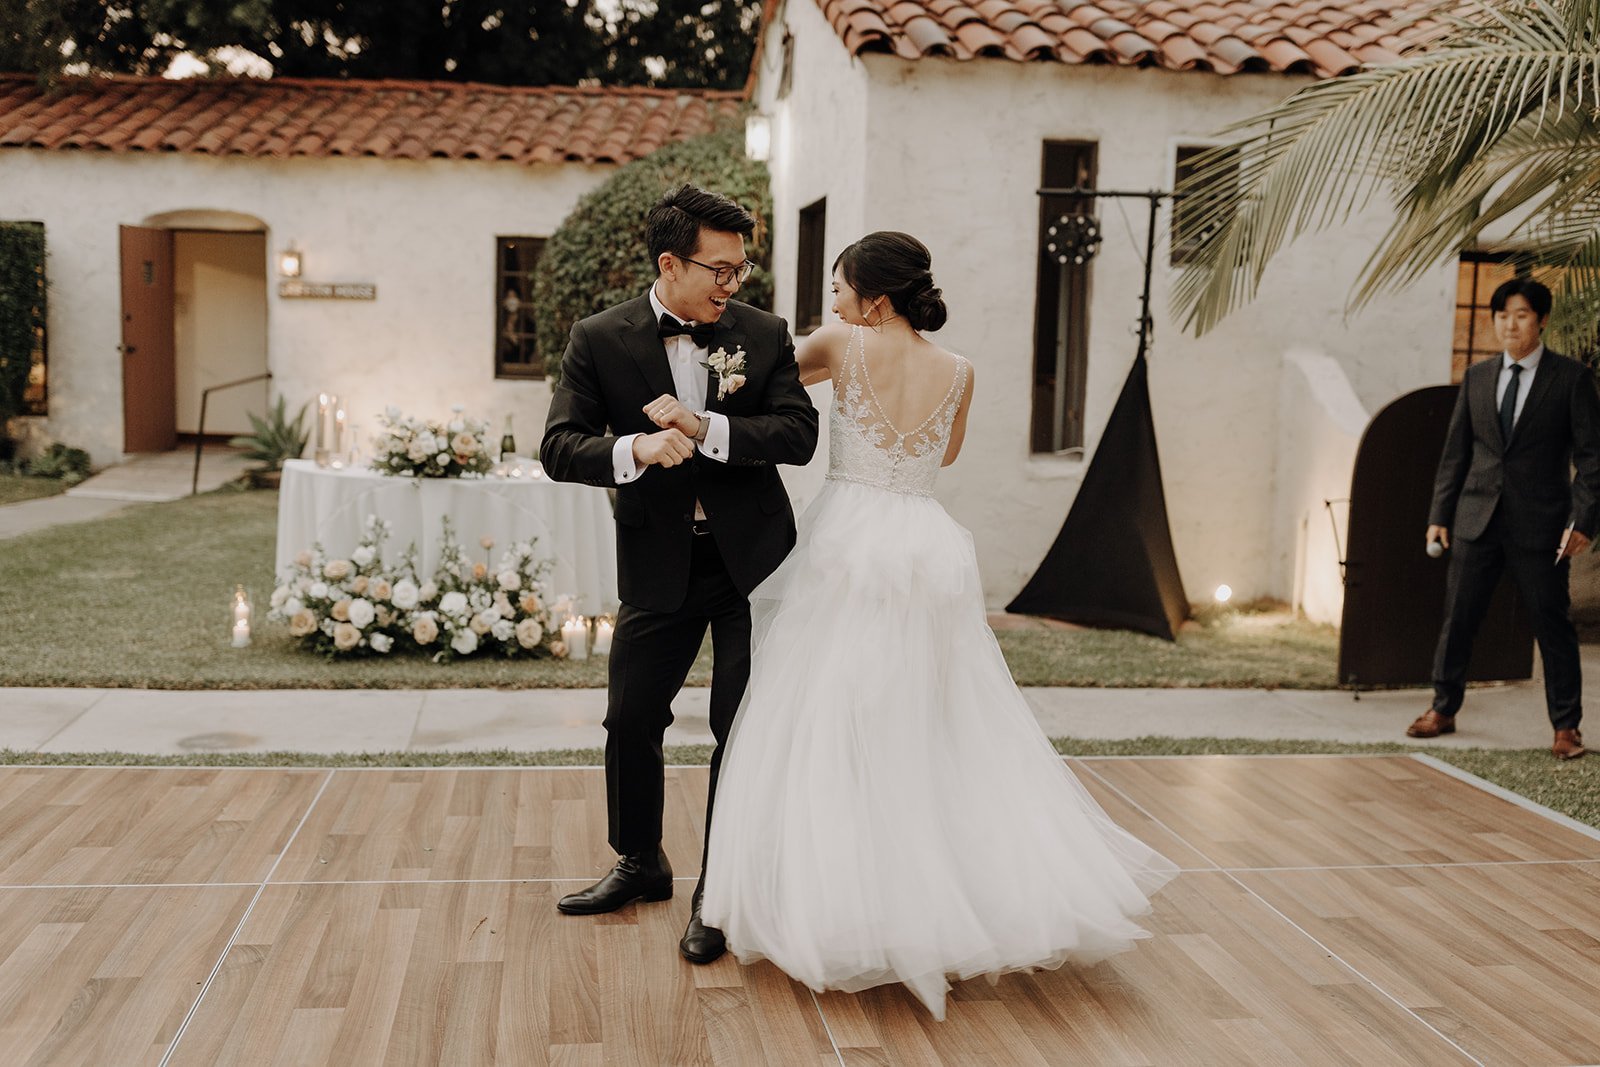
{"x":700,"y":333}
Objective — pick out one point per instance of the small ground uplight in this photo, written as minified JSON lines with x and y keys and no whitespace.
{"x":1224,"y":594}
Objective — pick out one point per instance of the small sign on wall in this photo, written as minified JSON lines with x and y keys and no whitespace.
{"x":327,"y":290}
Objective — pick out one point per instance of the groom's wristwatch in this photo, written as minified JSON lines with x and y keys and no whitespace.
{"x":705,"y":427}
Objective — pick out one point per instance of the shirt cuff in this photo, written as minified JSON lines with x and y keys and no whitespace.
{"x":622,"y":463}
{"x":715,"y":446}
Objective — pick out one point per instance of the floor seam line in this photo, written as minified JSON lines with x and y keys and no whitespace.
{"x":1346,"y":964}
{"x":233,"y":939}
{"x":823,"y":1017}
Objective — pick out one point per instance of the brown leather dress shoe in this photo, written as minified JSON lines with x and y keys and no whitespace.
{"x":1431,"y":724}
{"x":1568,"y":745}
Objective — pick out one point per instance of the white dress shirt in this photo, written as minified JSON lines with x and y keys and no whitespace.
{"x":689,"y":385}
{"x":1530,"y":367}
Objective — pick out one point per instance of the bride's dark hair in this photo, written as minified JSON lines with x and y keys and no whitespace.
{"x":898,"y":266}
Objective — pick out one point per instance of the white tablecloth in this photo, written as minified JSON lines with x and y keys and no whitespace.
{"x":572,"y":522}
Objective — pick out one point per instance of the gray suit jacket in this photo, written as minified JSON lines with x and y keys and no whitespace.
{"x":1530,"y":477}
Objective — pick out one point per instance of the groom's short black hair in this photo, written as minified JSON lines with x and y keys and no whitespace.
{"x":1537,"y":294}
{"x":674,"y":224}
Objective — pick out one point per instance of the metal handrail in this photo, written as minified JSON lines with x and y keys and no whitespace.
{"x":200,"y":435}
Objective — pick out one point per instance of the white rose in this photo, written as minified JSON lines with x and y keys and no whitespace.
{"x":361,"y":556}
{"x":491,"y":615}
{"x":457,"y":425}
{"x":428,"y":591}
{"x":464,"y":642}
{"x":443,"y":458}
{"x":426,"y":442}
{"x":504,"y":630}
{"x":292,"y":607}
{"x":381,"y":642}
{"x":405,"y":594}
{"x":280,"y":596}
{"x":735,"y":381}
{"x":416,"y":453}
{"x":454,"y":603}
{"x":510,"y":581}
{"x":362,"y":613}
{"x":318,"y":590}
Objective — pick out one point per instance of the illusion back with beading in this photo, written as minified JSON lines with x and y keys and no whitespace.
{"x":867,"y":448}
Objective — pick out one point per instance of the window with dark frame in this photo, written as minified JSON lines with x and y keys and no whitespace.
{"x":516,"y":348}
{"x":810,"y":267}
{"x":1061,"y":307}
{"x":1188,"y":236}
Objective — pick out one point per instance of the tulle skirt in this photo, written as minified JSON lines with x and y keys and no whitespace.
{"x":888,"y":809}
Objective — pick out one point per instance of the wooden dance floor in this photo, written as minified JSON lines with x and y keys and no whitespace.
{"x":1333,"y":909}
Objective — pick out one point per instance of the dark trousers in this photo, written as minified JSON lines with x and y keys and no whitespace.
{"x":651,"y":653}
{"x":1475,"y":569}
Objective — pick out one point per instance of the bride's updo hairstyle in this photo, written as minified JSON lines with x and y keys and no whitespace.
{"x":898,"y":266}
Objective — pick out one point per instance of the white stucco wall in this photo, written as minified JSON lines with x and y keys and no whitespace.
{"x":423,"y":232}
{"x":952,"y":153}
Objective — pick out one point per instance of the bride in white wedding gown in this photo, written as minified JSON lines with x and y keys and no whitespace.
{"x":889,"y":810}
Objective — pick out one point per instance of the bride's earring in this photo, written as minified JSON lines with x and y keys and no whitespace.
{"x":875,"y":327}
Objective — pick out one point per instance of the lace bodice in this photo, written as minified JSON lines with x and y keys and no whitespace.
{"x":866,"y":447}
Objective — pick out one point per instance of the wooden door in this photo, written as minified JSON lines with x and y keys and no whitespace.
{"x":149,"y":360}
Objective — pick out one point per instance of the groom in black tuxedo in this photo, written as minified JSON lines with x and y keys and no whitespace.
{"x":1505,"y":498}
{"x":702,"y":516}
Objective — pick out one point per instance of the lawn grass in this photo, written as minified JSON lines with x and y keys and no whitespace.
{"x":139,"y":599}
{"x":15,"y":488}
{"x":1572,"y":788}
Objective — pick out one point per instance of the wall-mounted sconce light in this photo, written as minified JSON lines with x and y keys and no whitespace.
{"x":758,"y":137}
{"x":290,"y":261}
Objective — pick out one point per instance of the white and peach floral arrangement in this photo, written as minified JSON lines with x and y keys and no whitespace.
{"x":362,"y":606}
{"x":409,"y":447}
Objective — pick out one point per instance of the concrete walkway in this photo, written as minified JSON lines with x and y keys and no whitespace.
{"x":441,"y":720}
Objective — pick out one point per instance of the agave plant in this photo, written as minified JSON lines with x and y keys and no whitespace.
{"x":275,"y":438}
{"x":1492,"y":120}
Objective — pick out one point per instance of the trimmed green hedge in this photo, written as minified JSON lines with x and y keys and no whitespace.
{"x":598,"y":256}
{"x":22,"y":310}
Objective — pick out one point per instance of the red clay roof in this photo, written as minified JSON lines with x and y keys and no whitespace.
{"x":1326,"y":38}
{"x":284,"y":117}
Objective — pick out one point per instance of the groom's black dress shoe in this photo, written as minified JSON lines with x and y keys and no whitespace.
{"x":643,"y":876}
{"x":701,"y":943}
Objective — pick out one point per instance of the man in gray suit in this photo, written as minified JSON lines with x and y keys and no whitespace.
{"x":1505,"y":491}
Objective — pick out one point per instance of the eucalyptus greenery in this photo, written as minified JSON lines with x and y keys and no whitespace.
{"x":1490,"y":124}
{"x":597,"y":257}
{"x":276,"y":437}
{"x":22,"y":310}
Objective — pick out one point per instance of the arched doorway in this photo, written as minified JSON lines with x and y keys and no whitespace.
{"x":194,"y":315}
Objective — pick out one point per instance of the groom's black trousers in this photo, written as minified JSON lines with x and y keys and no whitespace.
{"x":1475,"y":569}
{"x":651,"y":654}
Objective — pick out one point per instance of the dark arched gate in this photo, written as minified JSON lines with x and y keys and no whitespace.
{"x":1393,"y":592}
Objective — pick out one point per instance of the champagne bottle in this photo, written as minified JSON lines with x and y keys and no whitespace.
{"x":508,"y":443}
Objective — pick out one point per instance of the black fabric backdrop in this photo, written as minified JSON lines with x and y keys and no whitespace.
{"x":1112,"y":565}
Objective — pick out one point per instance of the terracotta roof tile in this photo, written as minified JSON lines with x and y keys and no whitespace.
{"x":295,"y":117}
{"x":1326,"y":38}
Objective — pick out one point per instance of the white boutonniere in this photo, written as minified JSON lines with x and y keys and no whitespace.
{"x":729,"y":370}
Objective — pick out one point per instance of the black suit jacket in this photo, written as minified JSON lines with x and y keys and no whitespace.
{"x":1529,"y":478}
{"x":614,"y":365}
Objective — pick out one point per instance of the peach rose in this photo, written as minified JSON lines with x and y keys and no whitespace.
{"x":303,"y":624}
{"x":479,"y":570}
{"x":424,"y":631}
{"x":529,"y":633}
{"x":465,"y":445}
{"x":558,"y":649}
{"x":336,"y":569}
{"x":503,"y":606}
{"x":341,"y":610}
{"x":303,"y":559}
{"x":486,"y":542}
{"x":359,"y":585}
{"x":346,"y":637}
{"x":381,"y":589}
{"x":529,"y":603}
{"x":480,"y":625}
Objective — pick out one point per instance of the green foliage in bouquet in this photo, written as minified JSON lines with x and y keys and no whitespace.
{"x":597,"y":257}
{"x":276,"y":438}
{"x":70,"y":465}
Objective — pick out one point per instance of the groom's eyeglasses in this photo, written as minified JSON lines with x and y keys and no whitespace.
{"x":724,"y":275}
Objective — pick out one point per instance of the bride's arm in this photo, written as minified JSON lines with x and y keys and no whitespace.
{"x":819,"y":353}
{"x":958,"y":429}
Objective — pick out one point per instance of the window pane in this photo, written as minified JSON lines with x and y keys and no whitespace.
{"x":516,"y":346}
{"x":810,"y":266}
